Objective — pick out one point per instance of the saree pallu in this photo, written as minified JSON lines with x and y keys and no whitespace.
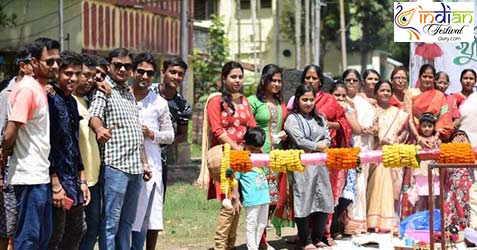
{"x":385,"y":181}
{"x":435,"y":102}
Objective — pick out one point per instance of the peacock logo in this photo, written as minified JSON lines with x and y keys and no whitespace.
{"x":402,"y":19}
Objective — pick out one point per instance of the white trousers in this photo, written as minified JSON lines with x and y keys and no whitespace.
{"x":257,"y":218}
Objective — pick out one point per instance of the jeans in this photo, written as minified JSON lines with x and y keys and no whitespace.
{"x":34,"y":221}
{"x":257,"y":218}
{"x":68,"y":228}
{"x":93,"y":218}
{"x":121,"y":193}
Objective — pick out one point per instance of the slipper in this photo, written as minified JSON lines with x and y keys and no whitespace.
{"x":292,"y":240}
{"x":331,"y":242}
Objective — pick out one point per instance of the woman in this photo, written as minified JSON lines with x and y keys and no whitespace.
{"x":270,"y":112}
{"x":467,"y":80}
{"x":312,"y":189}
{"x":457,"y":185}
{"x":430,"y":100}
{"x":370,"y":78}
{"x":355,"y":221}
{"x":384,"y":187}
{"x":399,"y":80}
{"x":229,"y":116}
{"x":442,"y":84}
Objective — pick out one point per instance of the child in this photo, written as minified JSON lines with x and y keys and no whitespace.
{"x":254,"y":185}
{"x":419,"y":192}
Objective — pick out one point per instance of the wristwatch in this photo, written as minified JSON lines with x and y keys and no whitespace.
{"x":84,"y":182}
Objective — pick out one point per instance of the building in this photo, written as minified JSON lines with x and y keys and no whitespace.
{"x":95,"y":26}
{"x":271,"y":46}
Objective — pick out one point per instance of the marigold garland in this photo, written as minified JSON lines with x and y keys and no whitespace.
{"x":342,"y":158}
{"x":456,"y":153}
{"x":400,"y":155}
{"x":224,"y":165}
{"x":240,"y":161}
{"x":283,"y":160}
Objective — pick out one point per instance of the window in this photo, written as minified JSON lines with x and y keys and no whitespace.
{"x":264,"y":4}
{"x":203,"y":9}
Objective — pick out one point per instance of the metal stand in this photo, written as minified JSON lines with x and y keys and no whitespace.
{"x":441,"y":168}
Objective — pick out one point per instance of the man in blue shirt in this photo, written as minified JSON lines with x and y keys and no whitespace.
{"x":66,"y":165}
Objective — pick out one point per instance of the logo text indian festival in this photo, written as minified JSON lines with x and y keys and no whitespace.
{"x":433,"y":22}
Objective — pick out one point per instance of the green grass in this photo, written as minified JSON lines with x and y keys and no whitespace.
{"x":189,"y":219}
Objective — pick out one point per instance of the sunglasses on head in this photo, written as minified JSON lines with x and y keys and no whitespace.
{"x":51,"y":61}
{"x":148,"y":72}
{"x":118,"y":65}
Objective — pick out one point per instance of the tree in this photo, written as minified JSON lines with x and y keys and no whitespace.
{"x":207,"y":66}
{"x":7,"y":20}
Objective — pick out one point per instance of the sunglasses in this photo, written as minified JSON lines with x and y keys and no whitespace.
{"x":148,"y":72}
{"x":51,"y":61}
{"x":103,"y":75}
{"x":118,"y":65}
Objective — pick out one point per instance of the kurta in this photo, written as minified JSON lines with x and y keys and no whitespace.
{"x":312,"y":188}
{"x":154,"y":113}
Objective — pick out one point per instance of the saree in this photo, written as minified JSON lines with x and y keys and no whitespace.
{"x":385,"y":181}
{"x":435,"y":102}
{"x":355,"y":219}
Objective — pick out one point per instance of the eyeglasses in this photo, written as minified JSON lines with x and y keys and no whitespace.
{"x":142,"y":71}
{"x":51,"y":61}
{"x":351,"y":80}
{"x":118,"y":65}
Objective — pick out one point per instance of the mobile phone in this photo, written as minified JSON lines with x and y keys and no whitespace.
{"x":67,"y":203}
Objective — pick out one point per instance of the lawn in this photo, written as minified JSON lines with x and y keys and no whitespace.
{"x":189,"y":219}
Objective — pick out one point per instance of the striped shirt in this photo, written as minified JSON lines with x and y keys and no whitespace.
{"x":123,"y":150}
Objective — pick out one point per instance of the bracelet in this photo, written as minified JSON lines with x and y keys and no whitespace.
{"x":58,"y":190}
{"x":99,"y":129}
{"x":84,"y":182}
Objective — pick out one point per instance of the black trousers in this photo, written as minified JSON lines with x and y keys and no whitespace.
{"x":316,"y":222}
{"x":337,"y":226}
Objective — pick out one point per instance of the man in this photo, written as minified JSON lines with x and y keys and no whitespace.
{"x":173,"y":72}
{"x":7,"y":195}
{"x":157,"y":129}
{"x":89,"y":152}
{"x":28,"y":134}
{"x":101,"y":68}
{"x":66,"y":167}
{"x":121,"y":151}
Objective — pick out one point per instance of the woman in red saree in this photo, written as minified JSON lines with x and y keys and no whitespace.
{"x":433,"y":101}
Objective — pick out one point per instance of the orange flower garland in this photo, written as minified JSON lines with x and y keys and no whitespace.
{"x":456,"y":153}
{"x":240,"y":161}
{"x":342,"y":158}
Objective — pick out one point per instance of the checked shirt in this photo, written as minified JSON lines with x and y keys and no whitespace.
{"x":123,"y":150}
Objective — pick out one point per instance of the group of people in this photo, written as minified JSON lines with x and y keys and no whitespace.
{"x":82,"y":149}
{"x":362,"y":110}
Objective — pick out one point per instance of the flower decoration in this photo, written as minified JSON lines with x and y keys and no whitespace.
{"x":400,"y":155}
{"x":342,"y":158}
{"x":240,"y":161}
{"x":283,"y":160}
{"x":456,"y":153}
{"x":224,"y":165}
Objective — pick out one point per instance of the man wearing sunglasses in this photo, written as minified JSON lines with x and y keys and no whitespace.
{"x":28,"y":134}
{"x":115,"y":120}
{"x":157,"y":129}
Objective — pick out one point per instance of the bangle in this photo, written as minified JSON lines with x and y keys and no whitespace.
{"x":84,"y":182}
{"x":58,"y":190}
{"x":99,"y":129}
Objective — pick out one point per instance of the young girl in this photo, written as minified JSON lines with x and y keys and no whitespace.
{"x":419,"y":191}
{"x":254,"y":185}
{"x":312,"y":194}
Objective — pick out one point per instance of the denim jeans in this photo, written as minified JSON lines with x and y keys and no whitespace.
{"x":120,"y":194}
{"x":34,"y":221}
{"x":93,"y":218}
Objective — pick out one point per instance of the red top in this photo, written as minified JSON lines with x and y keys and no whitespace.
{"x":234,"y":125}
{"x":393,"y":101}
{"x":326,"y":105}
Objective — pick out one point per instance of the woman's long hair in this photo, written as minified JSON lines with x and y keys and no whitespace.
{"x":300,"y":91}
{"x":267,"y":75}
{"x":226,"y":96}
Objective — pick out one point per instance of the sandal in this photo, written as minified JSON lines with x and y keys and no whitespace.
{"x":309,"y":247}
{"x":321,"y":245}
{"x":331,"y":242}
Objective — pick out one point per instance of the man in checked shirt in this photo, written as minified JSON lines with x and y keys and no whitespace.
{"x":115,"y":120}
